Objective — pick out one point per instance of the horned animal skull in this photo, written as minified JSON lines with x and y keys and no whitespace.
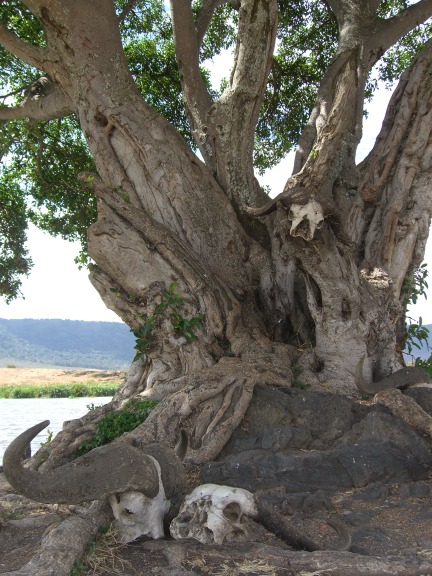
{"x":138,"y":482}
{"x":305,"y":219}
{"x":213,"y":514}
{"x":137,"y":515}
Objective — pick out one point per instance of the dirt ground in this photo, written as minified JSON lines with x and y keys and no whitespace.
{"x":42,"y":376}
{"x":396,"y":525}
{"x":381,"y":520}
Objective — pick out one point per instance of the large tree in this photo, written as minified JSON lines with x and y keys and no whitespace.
{"x":105,"y":108}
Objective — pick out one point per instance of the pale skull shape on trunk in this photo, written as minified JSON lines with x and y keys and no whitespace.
{"x":214,"y":514}
{"x":306,"y":219}
{"x":137,"y":515}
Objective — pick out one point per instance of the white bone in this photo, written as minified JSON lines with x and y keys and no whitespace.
{"x":137,"y":515}
{"x":213,"y":514}
{"x":306,"y":219}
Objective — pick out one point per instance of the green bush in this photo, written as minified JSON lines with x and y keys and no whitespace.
{"x":114,"y":424}
{"x":78,"y":391}
{"x":59,"y":390}
{"x":23,"y":392}
{"x":425,"y":364}
{"x":56,"y":392}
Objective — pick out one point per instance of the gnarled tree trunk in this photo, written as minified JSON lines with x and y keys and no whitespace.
{"x":221,"y":287}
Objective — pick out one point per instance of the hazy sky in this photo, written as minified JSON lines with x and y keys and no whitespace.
{"x":57,"y":289}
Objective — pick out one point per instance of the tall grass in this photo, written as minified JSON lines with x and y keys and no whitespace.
{"x":89,"y":389}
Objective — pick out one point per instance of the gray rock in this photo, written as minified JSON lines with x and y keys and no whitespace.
{"x":307,"y":441}
{"x":374,"y":492}
{"x":416,"y":490}
{"x":422,"y":395}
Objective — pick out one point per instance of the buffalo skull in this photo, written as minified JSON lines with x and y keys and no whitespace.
{"x":138,"y":483}
{"x":214,"y":514}
{"x":305,"y":219}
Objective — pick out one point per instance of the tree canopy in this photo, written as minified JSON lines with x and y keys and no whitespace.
{"x":41,"y":158}
{"x":112,"y":133}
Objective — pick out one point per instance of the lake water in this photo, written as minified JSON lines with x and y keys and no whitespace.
{"x":16,"y":415}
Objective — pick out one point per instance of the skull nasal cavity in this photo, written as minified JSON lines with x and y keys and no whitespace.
{"x":232,"y":511}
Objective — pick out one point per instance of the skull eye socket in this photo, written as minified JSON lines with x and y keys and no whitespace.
{"x":232,"y":512}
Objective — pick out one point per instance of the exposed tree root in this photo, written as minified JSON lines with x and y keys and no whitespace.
{"x":66,"y":543}
{"x":211,"y":404}
{"x":277,"y":523}
{"x":283,"y":562}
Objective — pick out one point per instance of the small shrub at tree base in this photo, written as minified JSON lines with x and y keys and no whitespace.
{"x":416,"y":330}
{"x":425,"y":364}
{"x":114,"y":424}
{"x":182,"y":327}
{"x":48,"y":439}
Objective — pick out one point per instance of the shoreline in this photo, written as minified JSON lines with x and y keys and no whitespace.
{"x":40,"y":377}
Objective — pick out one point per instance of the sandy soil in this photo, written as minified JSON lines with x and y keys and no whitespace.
{"x":41,"y":376}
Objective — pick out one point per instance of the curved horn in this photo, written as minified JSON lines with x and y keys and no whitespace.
{"x":400,"y":379}
{"x":103,"y":471}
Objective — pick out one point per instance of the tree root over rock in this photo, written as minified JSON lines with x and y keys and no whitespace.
{"x":277,"y":523}
{"x":66,"y":543}
{"x":232,"y":559}
{"x":211,"y":404}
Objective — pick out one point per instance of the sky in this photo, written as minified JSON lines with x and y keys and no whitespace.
{"x":57,"y":289}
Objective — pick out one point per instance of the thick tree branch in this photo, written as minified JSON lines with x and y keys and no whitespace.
{"x":44,"y":101}
{"x":334,"y":5}
{"x":213,"y":129}
{"x":396,"y":183}
{"x":187,"y":53}
{"x":389,"y":31}
{"x":127,"y":10}
{"x":226,"y":135}
{"x":33,"y":55}
{"x":363,"y":38}
{"x":34,"y":5}
{"x":204,"y":17}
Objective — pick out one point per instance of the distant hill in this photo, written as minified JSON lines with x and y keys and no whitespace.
{"x":80,"y":344}
{"x":66,"y":343}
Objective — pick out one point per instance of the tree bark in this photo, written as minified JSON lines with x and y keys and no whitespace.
{"x":323,"y":228}
{"x":177,"y":239}
{"x":320,"y":271}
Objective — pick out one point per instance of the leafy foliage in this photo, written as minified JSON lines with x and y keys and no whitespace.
{"x":183,"y":327}
{"x":60,"y":390}
{"x":416,"y":331}
{"x":38,"y":179}
{"x":398,"y":57}
{"x":14,"y":259}
{"x":425,"y":364}
{"x":114,"y":424}
{"x":307,"y":39}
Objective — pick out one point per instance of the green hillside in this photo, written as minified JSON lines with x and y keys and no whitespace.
{"x":80,"y":344}
{"x":67,"y":343}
